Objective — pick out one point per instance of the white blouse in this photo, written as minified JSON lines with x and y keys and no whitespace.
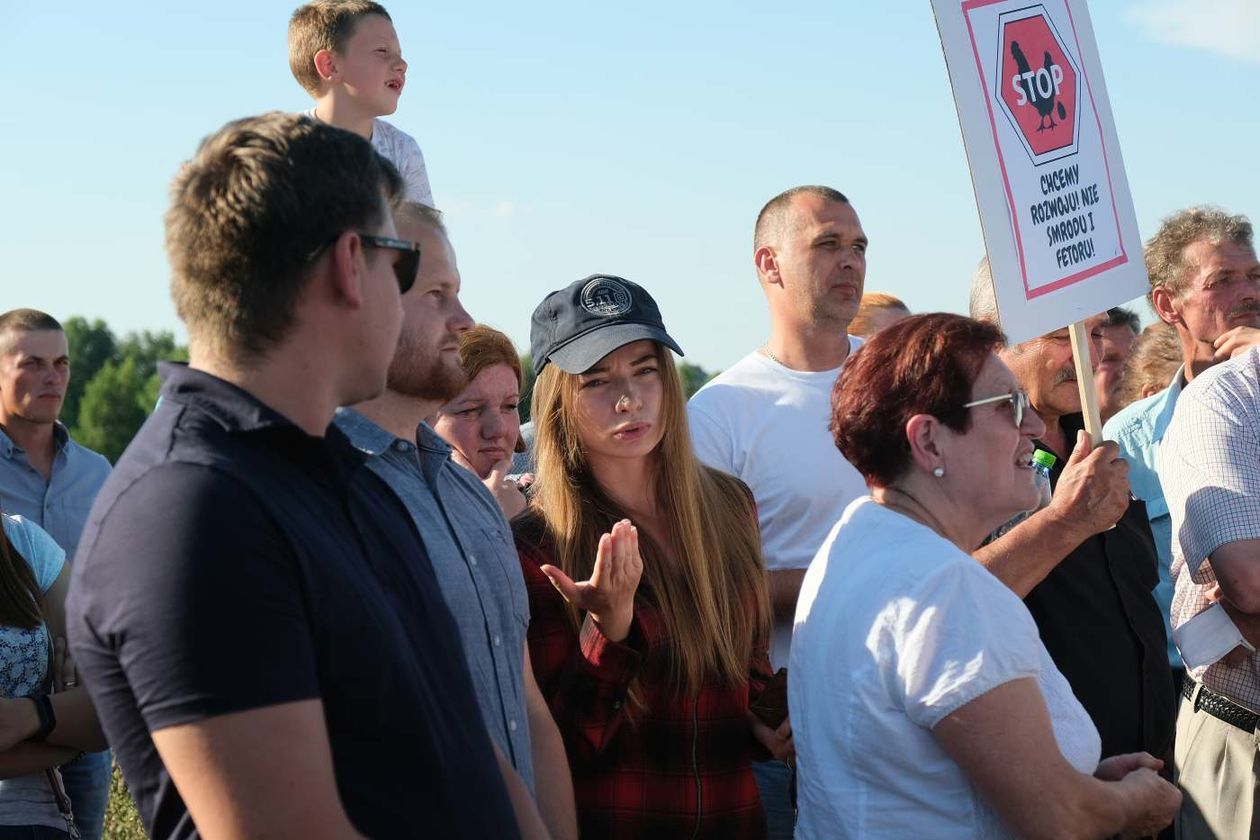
{"x":896,"y":628}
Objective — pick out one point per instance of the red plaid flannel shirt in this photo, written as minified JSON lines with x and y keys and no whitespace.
{"x":676,"y":767}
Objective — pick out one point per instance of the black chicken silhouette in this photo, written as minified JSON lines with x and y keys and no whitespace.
{"x":1045,"y":105}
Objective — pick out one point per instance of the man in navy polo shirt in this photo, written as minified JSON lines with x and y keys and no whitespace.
{"x":255,"y":617}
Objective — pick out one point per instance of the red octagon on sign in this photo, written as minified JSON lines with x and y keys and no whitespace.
{"x":1038,"y":84}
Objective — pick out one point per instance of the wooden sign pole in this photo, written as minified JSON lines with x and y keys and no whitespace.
{"x":1085,"y":381}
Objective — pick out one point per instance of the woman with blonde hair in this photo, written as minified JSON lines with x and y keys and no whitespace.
{"x":876,"y":311}
{"x":648,"y":597}
{"x":1153,"y":361}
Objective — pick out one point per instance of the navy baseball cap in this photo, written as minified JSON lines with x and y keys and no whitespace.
{"x":582,"y":323}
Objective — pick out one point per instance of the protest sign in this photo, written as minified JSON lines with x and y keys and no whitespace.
{"x":1054,"y":202}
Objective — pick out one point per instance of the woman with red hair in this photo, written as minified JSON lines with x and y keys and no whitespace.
{"x":923,"y":701}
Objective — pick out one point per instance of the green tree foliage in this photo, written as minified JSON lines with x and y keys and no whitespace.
{"x":112,"y":408}
{"x":149,"y":348}
{"x":114,"y":383}
{"x":693,"y":376}
{"x":92,"y":344}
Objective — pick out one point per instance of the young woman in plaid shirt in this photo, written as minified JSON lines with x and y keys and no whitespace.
{"x":648,"y":599}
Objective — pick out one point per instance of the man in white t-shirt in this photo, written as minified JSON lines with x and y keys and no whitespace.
{"x":765,"y":418}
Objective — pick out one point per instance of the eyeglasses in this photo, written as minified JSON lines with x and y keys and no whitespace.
{"x":408,"y":258}
{"x":1019,"y":404}
{"x":405,"y":268}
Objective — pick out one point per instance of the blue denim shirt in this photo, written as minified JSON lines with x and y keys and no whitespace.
{"x":479,"y":572}
{"x":60,"y":505}
{"x":1138,"y":429}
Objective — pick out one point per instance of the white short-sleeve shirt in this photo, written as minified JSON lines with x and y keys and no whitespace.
{"x":401,"y":149}
{"x":896,"y":628}
{"x":768,"y":425}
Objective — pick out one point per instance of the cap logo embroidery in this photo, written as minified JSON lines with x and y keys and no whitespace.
{"x":606,"y":297}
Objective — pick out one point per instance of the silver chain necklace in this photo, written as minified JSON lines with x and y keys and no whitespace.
{"x":765,"y":348}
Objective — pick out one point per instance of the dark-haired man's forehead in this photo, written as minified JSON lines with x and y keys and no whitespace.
{"x":46,"y":344}
{"x":826,"y":216}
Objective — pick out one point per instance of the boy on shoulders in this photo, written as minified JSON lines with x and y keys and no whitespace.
{"x":346,"y":54}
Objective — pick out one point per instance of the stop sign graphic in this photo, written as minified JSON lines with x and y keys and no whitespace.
{"x":1038,"y":84}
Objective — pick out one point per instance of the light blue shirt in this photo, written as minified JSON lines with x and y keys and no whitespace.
{"x":61,"y":504}
{"x":1138,"y":429}
{"x":474,"y":557}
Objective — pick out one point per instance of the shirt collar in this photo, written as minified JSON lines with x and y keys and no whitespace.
{"x":364,"y":435}
{"x":235,"y":409}
{"x":1167,"y":403}
{"x":61,"y":437}
{"x":431,"y":442}
{"x":432,"y":452}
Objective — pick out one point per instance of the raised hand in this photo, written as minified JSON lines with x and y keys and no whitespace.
{"x":1093,"y":491}
{"x":505,"y":491}
{"x":1232,"y":342}
{"x":608,"y":596}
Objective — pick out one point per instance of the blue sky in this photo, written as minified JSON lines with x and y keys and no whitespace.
{"x":569,"y":138}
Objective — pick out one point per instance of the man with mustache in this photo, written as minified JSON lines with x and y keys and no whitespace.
{"x":764,"y":419}
{"x":1202,"y":268}
{"x":1085,"y":565}
{"x":1205,"y":282}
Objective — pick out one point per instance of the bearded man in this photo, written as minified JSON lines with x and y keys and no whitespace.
{"x":469,"y":544}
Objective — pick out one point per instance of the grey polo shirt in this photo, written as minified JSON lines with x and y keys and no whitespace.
{"x":470,"y":546}
{"x":60,"y":505}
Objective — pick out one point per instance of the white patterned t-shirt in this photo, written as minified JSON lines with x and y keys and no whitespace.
{"x":401,"y":149}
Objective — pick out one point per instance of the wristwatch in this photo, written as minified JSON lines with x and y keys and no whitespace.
{"x":47,"y":718}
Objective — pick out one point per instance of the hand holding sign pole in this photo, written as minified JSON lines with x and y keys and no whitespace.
{"x":1058,"y":220}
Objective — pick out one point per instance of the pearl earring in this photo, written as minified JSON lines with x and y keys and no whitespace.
{"x":939,"y":472}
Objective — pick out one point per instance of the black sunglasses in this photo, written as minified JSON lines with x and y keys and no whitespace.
{"x":408,"y":258}
{"x":405,"y":268}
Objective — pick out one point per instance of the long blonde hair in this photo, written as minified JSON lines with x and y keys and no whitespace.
{"x":712,"y":596}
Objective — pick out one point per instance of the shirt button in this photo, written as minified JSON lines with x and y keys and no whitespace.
{"x":400,"y":445}
{"x":472,"y":561}
{"x":512,"y":725}
{"x":616,"y":705}
{"x":498,"y":641}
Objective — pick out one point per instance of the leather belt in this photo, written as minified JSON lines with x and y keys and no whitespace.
{"x":1220,"y":707}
